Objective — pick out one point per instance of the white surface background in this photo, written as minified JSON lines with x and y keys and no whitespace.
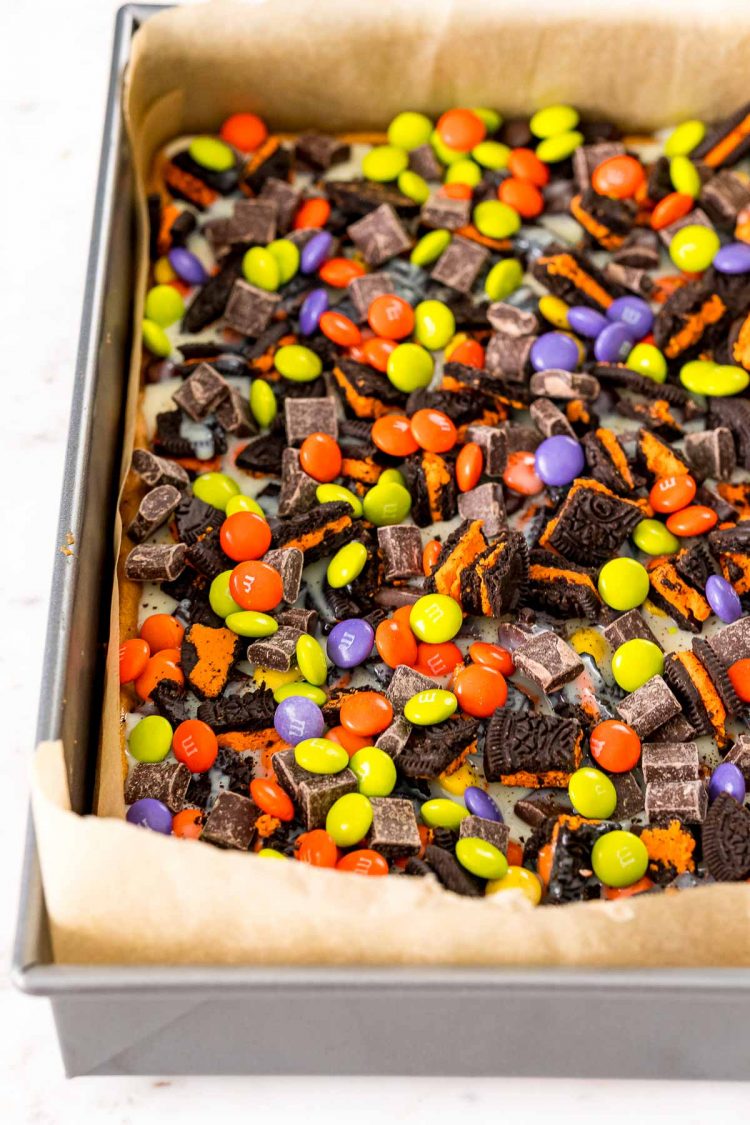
{"x":52,"y":90}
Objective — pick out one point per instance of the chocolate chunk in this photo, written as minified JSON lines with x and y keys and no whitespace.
{"x":549,"y":420}
{"x":629,"y":626}
{"x":670,"y":761}
{"x":508,"y":356}
{"x":405,"y":683}
{"x":277,"y":651}
{"x":494,"y":444}
{"x":231,"y":821}
{"x":649,"y":707}
{"x":541,"y":805}
{"x":314,"y":793}
{"x":445,"y":214}
{"x":355,"y":198}
{"x":163,"y":781}
{"x":547,"y":660}
{"x":233,"y":414}
{"x":460,"y":264}
{"x":401,"y":545}
{"x":739,"y":756}
{"x":710,"y":453}
{"x":249,"y":310}
{"x":379,"y":235}
{"x":484,"y":502}
{"x":723,"y":197}
{"x":151,"y":562}
{"x":535,"y":751}
{"x":394,"y":832}
{"x":289,"y":564}
{"x":451,"y":874}
{"x":490,"y":830}
{"x":305,"y":416}
{"x":201,"y":393}
{"x":425,"y":163}
{"x":153,"y":511}
{"x":363,"y":291}
{"x":564,"y":384}
{"x":298,"y":490}
{"x":686,"y":800}
{"x":726,"y":839}
{"x":509,"y":320}
{"x":252,"y":222}
{"x":629,"y":796}
{"x":395,"y":737}
{"x":320,"y":151}
{"x":284,"y":198}
{"x":155,"y":471}
{"x":677,"y":729}
{"x":301,"y":620}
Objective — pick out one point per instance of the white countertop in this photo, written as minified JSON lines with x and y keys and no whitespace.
{"x":55,"y":79}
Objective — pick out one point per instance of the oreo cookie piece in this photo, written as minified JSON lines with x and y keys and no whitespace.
{"x":432,"y":483}
{"x":452,"y":568}
{"x":432,"y":750}
{"x":251,"y":710}
{"x":702,"y":704}
{"x":496,"y":581}
{"x":571,"y":871}
{"x":719,"y":677}
{"x":170,"y":700}
{"x":548,"y":661}
{"x":726,"y":840}
{"x":570,"y":275}
{"x":262,"y":455}
{"x":365,"y":392}
{"x":676,"y":597}
{"x":726,"y":142}
{"x":606,"y":221}
{"x":210,"y":300}
{"x":451,"y":874}
{"x":530,"y":750}
{"x":607,"y":461}
{"x":316,"y":533}
{"x":401,"y":547}
{"x":690,"y":320}
{"x":236,"y":770}
{"x":592,"y":523}
{"x":207,"y":657}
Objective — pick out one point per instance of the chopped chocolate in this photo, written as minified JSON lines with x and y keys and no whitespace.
{"x":363,"y":290}
{"x":547,"y":660}
{"x":284,"y":198}
{"x":231,"y":821}
{"x":445,"y":214}
{"x":540,"y":805}
{"x":425,"y":163}
{"x":739,"y":755}
{"x":249,"y":309}
{"x":564,"y":385}
{"x":401,"y":545}
{"x":153,"y":511}
{"x":233,"y":414}
{"x":277,"y":651}
{"x":288,"y":563}
{"x":686,"y":800}
{"x":535,"y":751}
{"x":492,"y":831}
{"x":394,"y":832}
{"x":550,"y":420}
{"x":380,"y":235}
{"x":162,"y":781}
{"x":460,"y":264}
{"x":320,"y":151}
{"x":723,"y":197}
{"x":508,"y":320}
{"x":406,"y":682}
{"x":155,"y":471}
{"x":670,"y":761}
{"x":629,"y":626}
{"x":395,"y":737}
{"x":252,"y":223}
{"x":629,"y":796}
{"x":298,"y":490}
{"x":508,"y":356}
{"x":649,"y":707}
{"x":494,"y":445}
{"x":711,"y":453}
{"x":484,"y":502}
{"x":151,"y":562}
{"x":305,"y":416}
{"x":200,"y":394}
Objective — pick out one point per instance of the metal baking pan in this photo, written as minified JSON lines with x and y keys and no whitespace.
{"x":179,"y":1020}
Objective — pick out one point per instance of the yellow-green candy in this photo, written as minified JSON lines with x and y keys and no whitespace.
{"x":491,"y":154}
{"x":464,"y":172}
{"x":717,"y":380}
{"x":445,"y":154}
{"x":212,"y":153}
{"x":262,"y":403}
{"x":434,"y":324}
{"x":684,"y":138}
{"x":297,"y":363}
{"x":374,"y":771}
{"x":414,"y":186}
{"x":647,"y":360}
{"x":635,"y":662}
{"x":346,"y":565}
{"x":244,"y":504}
{"x":694,"y":247}
{"x":429,"y":707}
{"x":481,"y":858}
{"x":410,"y":367}
{"x":286,"y":254}
{"x":252,"y":623}
{"x":261,"y":269}
{"x":592,"y":794}
{"x":270,"y":853}
{"x":503,"y":279}
{"x":387,"y":504}
{"x":409,"y":130}
{"x":495,"y":219}
{"x":430,"y":247}
{"x":151,"y":739}
{"x":442,"y":813}
{"x":164,"y":305}
{"x":219,"y":598}
{"x":349,"y":819}
{"x":215,"y":489}
{"x":492,"y":119}
{"x":320,"y":755}
{"x":653,"y":538}
{"x":392,"y":476}
{"x":560,"y":147}
{"x":300,"y":687}
{"x":155,"y":338}
{"x":619,"y":858}
{"x":553,"y":120}
{"x":435,"y":618}
{"x":685,"y":176}
{"x":554,"y":310}
{"x":311,"y":660}
{"x":623,"y":583}
{"x":328,"y":493}
{"x":384,"y":163}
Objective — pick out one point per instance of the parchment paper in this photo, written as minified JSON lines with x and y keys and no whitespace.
{"x":121,"y":895}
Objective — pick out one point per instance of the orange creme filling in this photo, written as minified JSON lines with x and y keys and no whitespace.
{"x":363,"y":405}
{"x":616,"y":454}
{"x":313,"y":538}
{"x":471,"y":545}
{"x":565,"y":265}
{"x":667,"y":582}
{"x":726,"y":146}
{"x":603,"y":235}
{"x":215,"y":649}
{"x":708,"y":693}
{"x":710,"y":312}
{"x":670,"y":846}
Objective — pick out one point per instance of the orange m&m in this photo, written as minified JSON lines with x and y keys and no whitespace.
{"x":494,"y":656}
{"x":468,"y":352}
{"x":520,"y":475}
{"x":316,"y":848}
{"x":338,"y":272}
{"x":134,"y":656}
{"x":469,"y":465}
{"x":340,"y":329}
{"x":363,"y":861}
{"x":456,"y":190}
{"x":312,"y":213}
{"x":396,"y":644}
{"x":430,"y":556}
{"x":522,"y":195}
{"x":438,"y":659}
{"x":672,"y":207}
{"x":480,"y":690}
{"x":433,"y":430}
{"x":161,"y":630}
{"x":524,"y":164}
{"x":461,"y":129}
{"x":348,"y":739}
{"x":245,"y":131}
{"x":615,"y":746}
{"x":366,"y":712}
{"x":391,"y":317}
{"x":670,"y":494}
{"x":188,"y":823}
{"x":164,"y":665}
{"x":195,"y":744}
{"x":695,"y":520}
{"x":256,"y":585}
{"x":271,"y":798}
{"x":320,"y":457}
{"x":244,"y":536}
{"x":393,"y":435}
{"x":739,"y":674}
{"x":376,"y":351}
{"x":618,"y":177}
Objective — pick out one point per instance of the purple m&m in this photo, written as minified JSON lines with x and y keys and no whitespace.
{"x":481,"y":804}
{"x":733,"y":258}
{"x":723,"y":599}
{"x":313,"y":307}
{"x":150,"y":813}
{"x":586,"y":322}
{"x":315,"y":251}
{"x":187,"y":267}
{"x":297,"y":718}
{"x":727,"y":778}
{"x":634,"y":312}
{"x":559,"y":460}
{"x":553,"y":349}
{"x":614,"y":343}
{"x":350,"y":642}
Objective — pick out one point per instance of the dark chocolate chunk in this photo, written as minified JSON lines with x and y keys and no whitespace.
{"x":445,"y":214}
{"x":363,"y":291}
{"x":155,"y":471}
{"x":380,"y":235}
{"x":460,"y":264}
{"x":288,"y":563}
{"x":629,"y":626}
{"x":401,"y":545}
{"x":484,"y":502}
{"x":711,"y":453}
{"x":320,"y":151}
{"x":201,"y":393}
{"x":405,"y":683}
{"x":547,"y":660}
{"x":285,"y":199}
{"x":394,"y":832}
{"x":163,"y":781}
{"x":629,"y":796}
{"x":231,"y":821}
{"x":233,"y":414}
{"x":739,"y":756}
{"x":549,"y":420}
{"x":670,"y":761}
{"x":425,"y":163}
{"x":395,"y":737}
{"x":723,"y":197}
{"x":302,"y":620}
{"x":686,"y":800}
{"x":152,"y":562}
{"x":451,"y":874}
{"x":648,"y":708}
{"x":538,"y":806}
{"x":492,"y":831}
{"x":494,"y":444}
{"x":508,"y":356}
{"x":153,"y":511}
{"x":298,"y":490}
{"x":535,"y":751}
{"x":277,"y":651}
{"x":564,"y":384}
{"x":253,"y":222}
{"x":305,"y":416}
{"x":249,"y":309}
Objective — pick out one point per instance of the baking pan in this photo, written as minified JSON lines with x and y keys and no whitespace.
{"x":242,"y":1020}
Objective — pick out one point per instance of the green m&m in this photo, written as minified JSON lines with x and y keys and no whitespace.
{"x":328,"y":493}
{"x":155,"y":338}
{"x":429,"y":707}
{"x":311,"y":660}
{"x":495,"y":219}
{"x":164,"y":305}
{"x":560,"y":147}
{"x":320,"y":755}
{"x":619,"y":858}
{"x":151,"y":739}
{"x":242,"y":503}
{"x":219,"y":598}
{"x":409,"y":130}
{"x":436,"y":618}
{"x":349,"y":819}
{"x":694,"y":247}
{"x":297,"y":363}
{"x":300,"y":687}
{"x":434,"y":324}
{"x":492,"y":155}
{"x":387,"y":504}
{"x":503,"y":279}
{"x":442,"y":813}
{"x":262,"y":403}
{"x":464,"y":172}
{"x":374,"y":771}
{"x":252,"y":623}
{"x":553,"y":120}
{"x":261,"y":269}
{"x":216,"y":489}
{"x":413,"y":186}
{"x":623,"y":583}
{"x":384,"y":163}
{"x":682,"y":140}
{"x":647,"y":360}
{"x":481,"y":858}
{"x":212,"y":153}
{"x":653,"y":538}
{"x":346,"y":565}
{"x":287,"y":258}
{"x":716,"y":380}
{"x":635,"y":662}
{"x":430,"y":247}
{"x":685,"y":176}
{"x":592,"y":794}
{"x":410,"y":367}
